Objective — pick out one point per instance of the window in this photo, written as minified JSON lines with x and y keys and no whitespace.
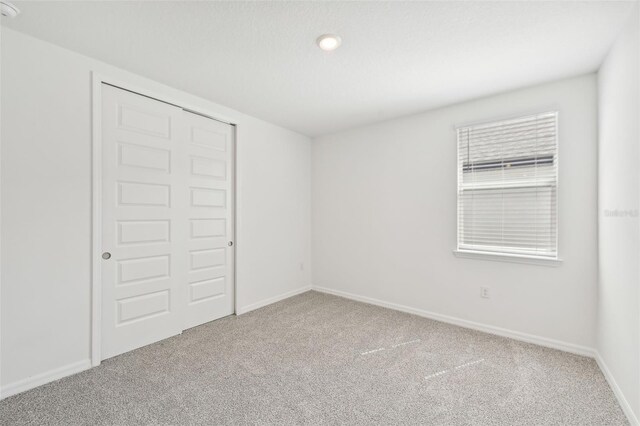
{"x":507,"y":187}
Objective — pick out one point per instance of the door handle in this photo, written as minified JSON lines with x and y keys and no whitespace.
{"x":230,"y":243}
{"x":106,"y":255}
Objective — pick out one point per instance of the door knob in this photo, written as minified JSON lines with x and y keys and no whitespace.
{"x":106,"y":255}
{"x":230,"y":243}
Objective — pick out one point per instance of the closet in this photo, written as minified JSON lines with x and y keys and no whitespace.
{"x":167,"y":220}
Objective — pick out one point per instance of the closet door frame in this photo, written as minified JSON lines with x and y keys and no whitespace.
{"x":161,"y":93}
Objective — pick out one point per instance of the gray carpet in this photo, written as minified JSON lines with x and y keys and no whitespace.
{"x":320,"y":359}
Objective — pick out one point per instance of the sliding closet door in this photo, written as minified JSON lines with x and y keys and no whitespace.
{"x":143,"y":220}
{"x":167,"y":220}
{"x":210,"y":241}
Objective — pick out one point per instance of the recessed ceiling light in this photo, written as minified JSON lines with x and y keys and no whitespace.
{"x":329,"y":42}
{"x":7,"y":9}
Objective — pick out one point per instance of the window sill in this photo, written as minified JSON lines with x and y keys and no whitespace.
{"x":513,"y":258}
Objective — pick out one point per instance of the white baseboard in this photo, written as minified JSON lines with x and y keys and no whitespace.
{"x":44,"y":378}
{"x":269,"y":301}
{"x":626,"y":407}
{"x":512,"y":334}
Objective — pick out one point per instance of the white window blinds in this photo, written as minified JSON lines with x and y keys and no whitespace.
{"x":507,"y":186}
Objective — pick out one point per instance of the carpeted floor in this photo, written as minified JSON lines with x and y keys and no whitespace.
{"x":320,"y":359}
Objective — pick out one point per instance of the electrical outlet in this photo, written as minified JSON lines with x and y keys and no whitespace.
{"x":484,"y":292}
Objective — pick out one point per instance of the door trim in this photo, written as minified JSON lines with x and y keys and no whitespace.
{"x":155,"y":91}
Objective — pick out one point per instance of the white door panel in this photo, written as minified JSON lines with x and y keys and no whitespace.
{"x":167,"y":211}
{"x":141,"y":300}
{"x":211,"y":273}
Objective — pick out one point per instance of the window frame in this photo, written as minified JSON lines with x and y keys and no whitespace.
{"x":504,"y":256}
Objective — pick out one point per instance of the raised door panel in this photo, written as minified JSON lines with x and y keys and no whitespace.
{"x":143,"y":213}
{"x":210,"y":269}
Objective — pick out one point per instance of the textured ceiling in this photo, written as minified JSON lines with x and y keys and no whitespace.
{"x":396,"y":58}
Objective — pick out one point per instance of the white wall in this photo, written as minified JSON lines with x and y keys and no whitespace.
{"x":618,"y":326}
{"x":384,"y":219}
{"x":46,"y":207}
